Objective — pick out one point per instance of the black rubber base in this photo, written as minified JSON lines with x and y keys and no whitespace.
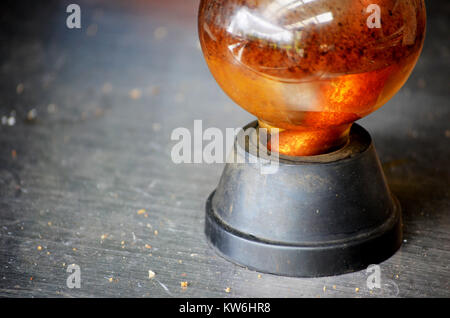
{"x":315,"y":216}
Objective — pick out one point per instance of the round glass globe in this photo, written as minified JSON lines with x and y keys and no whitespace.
{"x":311,"y":67}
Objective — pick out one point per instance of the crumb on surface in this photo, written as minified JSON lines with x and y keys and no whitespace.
{"x":227,"y":290}
{"x":39,"y":248}
{"x":141,"y":211}
{"x":447,"y":133}
{"x":356,"y":289}
{"x":135,"y":93}
{"x":19,"y":88}
{"x":184,"y":284}
{"x":151,"y":274}
{"x":160,"y":33}
{"x":107,"y":88}
{"x":147,"y":246}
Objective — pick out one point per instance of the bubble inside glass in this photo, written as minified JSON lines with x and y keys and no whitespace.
{"x":311,"y":67}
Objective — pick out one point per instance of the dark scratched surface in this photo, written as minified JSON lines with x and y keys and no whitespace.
{"x":86,"y":118}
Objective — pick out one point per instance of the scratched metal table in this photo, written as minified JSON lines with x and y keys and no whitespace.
{"x":86,"y":175}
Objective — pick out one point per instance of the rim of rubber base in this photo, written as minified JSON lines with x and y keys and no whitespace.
{"x":326,"y":259}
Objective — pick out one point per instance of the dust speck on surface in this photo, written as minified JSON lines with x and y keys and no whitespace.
{"x":107,"y":88}
{"x":19,"y":89}
{"x":92,"y":30}
{"x":135,"y":93}
{"x":160,"y":33}
{"x":447,"y":133}
{"x":32,"y":114}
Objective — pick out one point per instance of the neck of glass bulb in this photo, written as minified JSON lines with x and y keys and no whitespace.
{"x":308,"y":141}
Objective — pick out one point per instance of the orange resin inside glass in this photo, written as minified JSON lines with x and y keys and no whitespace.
{"x":311,"y":67}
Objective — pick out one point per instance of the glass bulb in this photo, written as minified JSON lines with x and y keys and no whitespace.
{"x":311,"y":67}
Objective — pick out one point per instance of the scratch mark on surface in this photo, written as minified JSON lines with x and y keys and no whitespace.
{"x":165,"y":288}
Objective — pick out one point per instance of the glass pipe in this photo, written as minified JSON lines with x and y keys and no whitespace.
{"x":311,"y":67}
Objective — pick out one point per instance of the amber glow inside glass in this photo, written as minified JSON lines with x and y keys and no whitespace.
{"x":311,"y":67}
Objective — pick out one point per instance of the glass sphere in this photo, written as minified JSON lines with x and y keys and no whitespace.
{"x":311,"y":67}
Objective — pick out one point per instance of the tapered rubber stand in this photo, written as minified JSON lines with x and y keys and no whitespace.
{"x":315,"y":216}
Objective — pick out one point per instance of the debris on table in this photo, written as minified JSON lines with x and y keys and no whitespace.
{"x":160,"y":33}
{"x":107,"y":88}
{"x":19,"y":89}
{"x":135,"y":93}
{"x":32,"y":114}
